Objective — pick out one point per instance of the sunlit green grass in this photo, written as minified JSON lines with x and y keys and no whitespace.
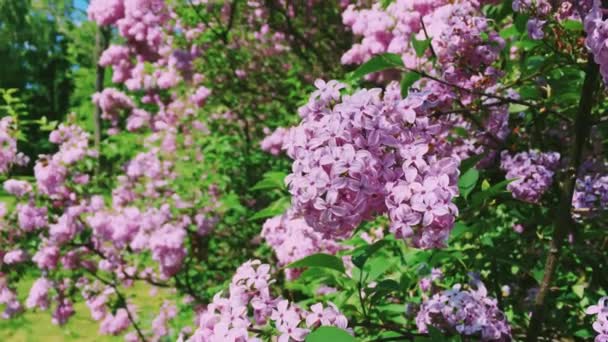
{"x":36,"y":326}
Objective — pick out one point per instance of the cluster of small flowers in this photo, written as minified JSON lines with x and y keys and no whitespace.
{"x":138,"y":21}
{"x":292,"y":239}
{"x":540,"y":10}
{"x":361,"y":155}
{"x":533,"y":173}
{"x":456,"y":31}
{"x":228,"y":319}
{"x":465,"y":45}
{"x":112,"y":102}
{"x":597,"y":36}
{"x":426,"y":283}
{"x":466,"y":48}
{"x":468,"y":312}
{"x":8,"y":150}
{"x":591,"y":189}
{"x":8,"y":297}
{"x":273,"y":143}
{"x":387,"y":30}
{"x":601,"y":320}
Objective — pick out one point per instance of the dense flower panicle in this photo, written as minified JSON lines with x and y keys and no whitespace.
{"x":47,"y":257}
{"x":143,"y":25}
{"x":30,"y":217}
{"x":8,"y":297}
{"x":17,"y":188}
{"x":119,"y":57}
{"x":459,"y":35}
{"x":601,"y":319}
{"x":114,"y":324}
{"x":273,"y":143}
{"x":597,"y":36}
{"x":160,"y":324}
{"x":73,"y":144}
{"x":469,"y":312}
{"x":590,"y":194}
{"x":8,"y":146}
{"x":533,"y":173}
{"x":63,"y":312}
{"x":112,"y":102}
{"x":361,"y":155}
{"x":200,"y":96}
{"x":39,"y":294}
{"x":292,"y":239}
{"x":229,"y":318}
{"x":106,"y":12}
{"x":15,"y":256}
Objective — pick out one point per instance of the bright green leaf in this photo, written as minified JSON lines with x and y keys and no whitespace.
{"x":467,"y":182}
{"x":378,"y":63}
{"x":332,"y":334}
{"x":407,"y":81}
{"x":319,"y":260}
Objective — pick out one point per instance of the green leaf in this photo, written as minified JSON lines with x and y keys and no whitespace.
{"x":459,"y":229}
{"x":361,"y":254}
{"x":420,"y":46}
{"x":579,"y":290}
{"x":333,"y":334}
{"x":470,"y":162}
{"x":275,"y":208}
{"x":319,"y":260}
{"x":467,"y":182}
{"x":407,"y":81}
{"x":436,"y":335}
{"x":517,"y":108}
{"x":572,"y":25}
{"x":378,"y":63}
{"x":271,"y":180}
{"x":377,"y":267}
{"x":491,"y":192}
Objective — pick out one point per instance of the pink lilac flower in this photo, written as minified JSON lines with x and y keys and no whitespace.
{"x":114,"y":324}
{"x":468,"y":312}
{"x":39,"y":294}
{"x":15,"y":256}
{"x":367,"y":155}
{"x":597,"y":35}
{"x":8,"y":144}
{"x":17,"y":188}
{"x":533,"y":173}
{"x":47,"y":257}
{"x":601,"y":319}
{"x":228,"y":318}
{"x":292,"y":239}
{"x":30,"y":217}
{"x":105,"y":12}
{"x":273,"y":143}
{"x":9,"y":299}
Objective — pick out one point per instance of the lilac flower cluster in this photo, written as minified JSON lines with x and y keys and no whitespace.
{"x":250,"y":307}
{"x":362,"y":155}
{"x":8,"y":297}
{"x":597,"y":36}
{"x":459,"y":33}
{"x":8,"y":149}
{"x":540,"y":10}
{"x":139,"y":21}
{"x":601,"y":320}
{"x":591,"y":193}
{"x":292,"y":239}
{"x":467,"y":312}
{"x":533,"y":173}
{"x":273,"y":143}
